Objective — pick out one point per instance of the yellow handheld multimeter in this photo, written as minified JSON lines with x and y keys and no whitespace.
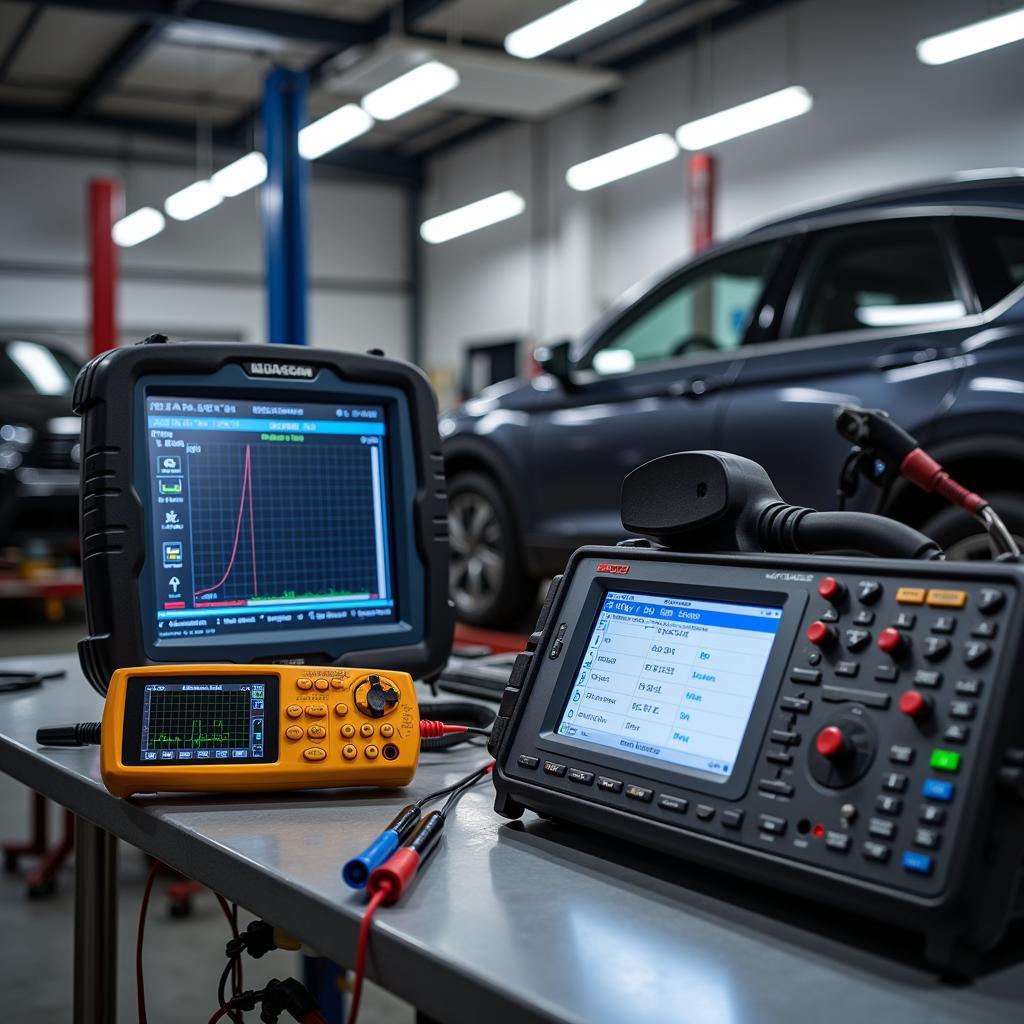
{"x":229,"y":728}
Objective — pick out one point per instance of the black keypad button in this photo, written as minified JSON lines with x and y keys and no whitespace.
{"x":779,"y":757}
{"x":901,"y":755}
{"x":829,"y":615}
{"x":962,"y":709}
{"x":807,"y":676}
{"x":985,"y":630}
{"x":869,"y":591}
{"x":813,"y":657}
{"x":927,"y":677}
{"x":976,"y":652}
{"x":876,"y":851}
{"x":944,"y":624}
{"x":857,"y":639}
{"x":838,"y":841}
{"x":581,"y":777}
{"x":847,"y":668}
{"x":886,"y":673}
{"x":927,"y":838}
{"x":705,"y":812}
{"x":956,"y":734}
{"x":864,"y":618}
{"x":776,"y":786}
{"x":772,"y":825}
{"x":609,"y":785}
{"x":798,"y":705}
{"x":786,"y":738}
{"x":645,"y":796}
{"x":905,"y":620}
{"x":935,"y":648}
{"x":889,"y":804}
{"x":676,"y":804}
{"x":732,"y":818}
{"x":990,"y":600}
{"x":881,"y":828}
{"x":895,"y":782}
{"x":932,"y":815}
{"x":553,"y":768}
{"x":968,"y":687}
{"x":527,"y":761}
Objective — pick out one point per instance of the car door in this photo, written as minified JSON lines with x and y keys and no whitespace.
{"x":874,"y":317}
{"x":647,"y":385}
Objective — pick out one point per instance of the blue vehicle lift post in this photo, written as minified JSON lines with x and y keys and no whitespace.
{"x":284,"y":205}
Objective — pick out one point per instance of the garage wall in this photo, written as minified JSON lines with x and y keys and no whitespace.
{"x":202,"y":278}
{"x":880,"y":118}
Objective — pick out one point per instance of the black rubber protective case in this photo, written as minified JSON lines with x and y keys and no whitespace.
{"x":112,"y":516}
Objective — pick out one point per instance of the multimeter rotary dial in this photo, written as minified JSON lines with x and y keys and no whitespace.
{"x":376,"y":696}
{"x":842,"y":751}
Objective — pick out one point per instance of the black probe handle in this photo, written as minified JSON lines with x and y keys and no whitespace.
{"x":84,"y":734}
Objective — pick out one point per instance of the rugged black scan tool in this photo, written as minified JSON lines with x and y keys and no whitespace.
{"x":261,"y":504}
{"x":848,"y":729}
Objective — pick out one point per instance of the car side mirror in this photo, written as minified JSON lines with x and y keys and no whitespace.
{"x":556,"y":359}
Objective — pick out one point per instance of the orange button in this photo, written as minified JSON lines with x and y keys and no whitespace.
{"x":348,"y":751}
{"x":341,"y":710}
{"x":314,"y":753}
{"x":294,"y":732}
{"x":316,"y":710}
{"x":371,"y":751}
{"x":947,"y":598}
{"x":348,"y":730}
{"x":316,"y":732}
{"x":293,"y":711}
{"x":387,"y":730}
{"x":337,"y":683}
{"x":366,"y":729}
{"x":321,"y":684}
{"x":304,"y":683}
{"x":910,"y":595}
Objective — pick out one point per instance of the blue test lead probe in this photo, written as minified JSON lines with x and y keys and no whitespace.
{"x":359,"y":868}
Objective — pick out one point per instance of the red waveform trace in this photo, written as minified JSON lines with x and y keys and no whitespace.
{"x":246,"y":493}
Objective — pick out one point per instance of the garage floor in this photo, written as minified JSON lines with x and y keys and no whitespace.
{"x":183,"y":957}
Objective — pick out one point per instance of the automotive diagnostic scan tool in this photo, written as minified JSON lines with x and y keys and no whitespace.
{"x":849,"y":729}
{"x":257,"y":727}
{"x":266,"y":503}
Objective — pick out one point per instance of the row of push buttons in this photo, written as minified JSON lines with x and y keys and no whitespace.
{"x":319,"y":684}
{"x":349,"y":752}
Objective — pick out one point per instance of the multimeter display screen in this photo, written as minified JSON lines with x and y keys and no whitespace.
{"x":267,"y":515}
{"x":203,"y":723}
{"x":671,"y":678}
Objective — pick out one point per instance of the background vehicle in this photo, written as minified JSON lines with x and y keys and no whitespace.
{"x":909,"y":301}
{"x":39,"y":450}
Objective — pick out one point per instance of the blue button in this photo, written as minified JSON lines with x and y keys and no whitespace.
{"x":918,"y":863}
{"x":937,"y":789}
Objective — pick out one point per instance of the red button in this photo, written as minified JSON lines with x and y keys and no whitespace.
{"x":831,"y":742}
{"x":915,"y":704}
{"x":821,"y":634}
{"x":891,"y":640}
{"x":832,"y":590}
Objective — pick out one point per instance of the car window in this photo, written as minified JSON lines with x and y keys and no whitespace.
{"x":31,"y":368}
{"x":706,"y":310}
{"x":886,"y":274}
{"x":995,"y":254}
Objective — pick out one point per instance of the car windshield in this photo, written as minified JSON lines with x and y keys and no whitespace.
{"x":30,"y":368}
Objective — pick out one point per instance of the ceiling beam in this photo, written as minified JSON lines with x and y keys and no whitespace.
{"x":14,"y":48}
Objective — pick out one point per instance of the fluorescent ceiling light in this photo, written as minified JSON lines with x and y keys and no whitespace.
{"x":333,"y":130}
{"x":563,"y":24}
{"x":137,"y":227}
{"x":245,"y":173}
{"x":620,"y":163}
{"x":972,"y":39}
{"x":193,"y":200}
{"x":411,"y":90}
{"x":481,"y":214}
{"x":747,"y":117}
{"x":910,"y":313}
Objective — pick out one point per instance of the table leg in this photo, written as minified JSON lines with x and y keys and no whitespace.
{"x":95,"y":989}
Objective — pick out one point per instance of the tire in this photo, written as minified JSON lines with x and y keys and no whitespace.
{"x":962,"y":537}
{"x":486,"y":578}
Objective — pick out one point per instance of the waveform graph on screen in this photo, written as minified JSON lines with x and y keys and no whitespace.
{"x":278,"y":522}
{"x":198,"y":720}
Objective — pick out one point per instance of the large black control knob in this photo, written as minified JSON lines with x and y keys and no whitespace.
{"x":842,"y":751}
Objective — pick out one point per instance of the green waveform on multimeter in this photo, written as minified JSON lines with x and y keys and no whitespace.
{"x":197,"y":738}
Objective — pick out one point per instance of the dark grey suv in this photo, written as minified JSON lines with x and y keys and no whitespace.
{"x":910,"y":301}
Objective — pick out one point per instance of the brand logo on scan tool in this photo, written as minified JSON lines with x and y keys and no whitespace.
{"x":616,"y":570}
{"x":280,"y":370}
{"x":791,"y":577}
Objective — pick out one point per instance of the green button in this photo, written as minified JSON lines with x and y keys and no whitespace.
{"x":945,"y":760}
